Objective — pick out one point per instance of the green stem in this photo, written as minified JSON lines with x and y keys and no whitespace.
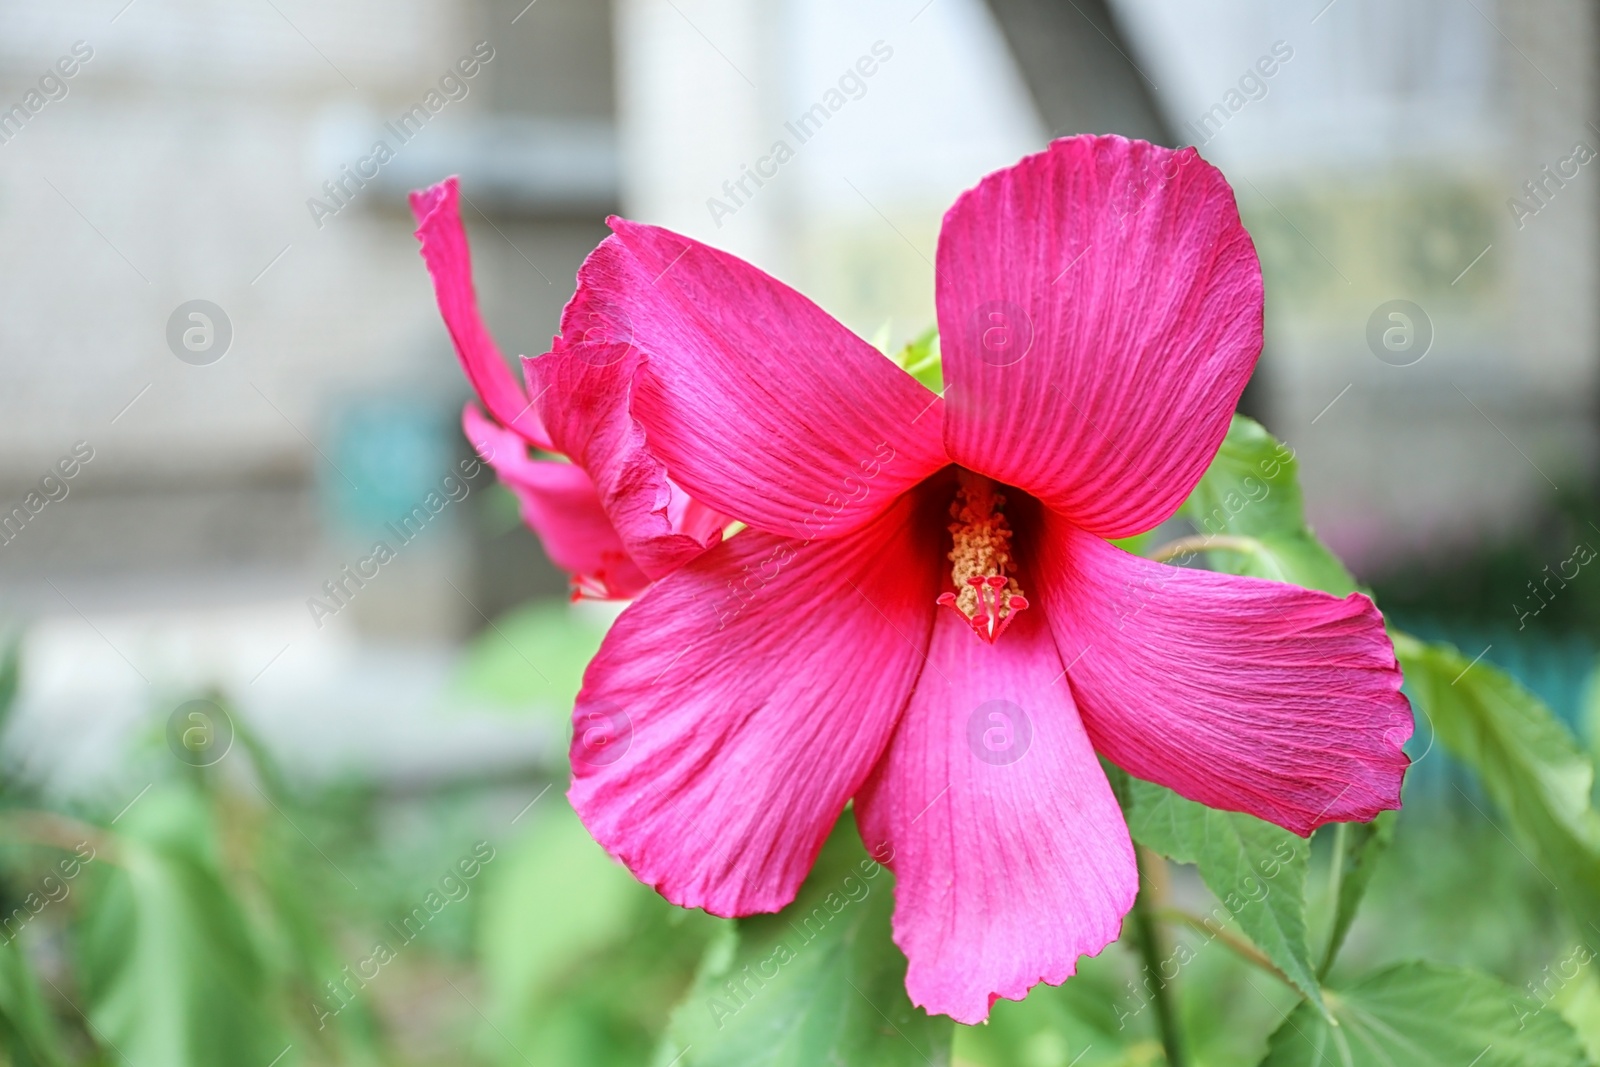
{"x":1231,"y":941}
{"x":1187,"y":546}
{"x":1150,"y":947}
{"x":1335,"y":876}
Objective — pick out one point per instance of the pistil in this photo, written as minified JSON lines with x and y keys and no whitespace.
{"x":982,"y":568}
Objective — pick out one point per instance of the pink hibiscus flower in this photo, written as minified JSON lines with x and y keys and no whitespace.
{"x":925,"y":615}
{"x":612,"y":543}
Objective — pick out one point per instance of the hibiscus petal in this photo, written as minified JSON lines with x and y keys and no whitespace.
{"x":736,"y":706}
{"x":1239,"y":693}
{"x":1099,"y":313}
{"x":1010,"y":854}
{"x":560,"y":505}
{"x":444,"y":248}
{"x":760,"y":404}
{"x":585,"y":407}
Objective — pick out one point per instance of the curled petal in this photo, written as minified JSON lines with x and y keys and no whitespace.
{"x":586,"y":407}
{"x":444,"y":248}
{"x":759,"y":403}
{"x":560,"y":505}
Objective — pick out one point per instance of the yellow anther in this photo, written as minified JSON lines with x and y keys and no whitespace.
{"x":981,"y":548}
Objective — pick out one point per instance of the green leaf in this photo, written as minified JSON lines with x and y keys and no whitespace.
{"x":297,"y":917}
{"x":921,"y":359}
{"x":1529,"y":764}
{"x":582,"y":965}
{"x":1138,"y":544}
{"x":818,"y":983}
{"x":1249,"y":500}
{"x":1424,"y":1015}
{"x":1256,"y":870}
{"x":27,"y":1032}
{"x":1363,"y":845}
{"x":171,"y":971}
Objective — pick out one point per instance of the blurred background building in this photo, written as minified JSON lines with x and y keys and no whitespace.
{"x":1380,"y":152}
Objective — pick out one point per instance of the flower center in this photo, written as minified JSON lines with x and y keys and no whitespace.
{"x":987,"y":595}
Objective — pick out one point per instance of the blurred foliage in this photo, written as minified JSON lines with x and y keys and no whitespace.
{"x":1533,"y":770}
{"x":27,"y":1032}
{"x":582,"y":964}
{"x":170,"y":970}
{"x":499,"y":668}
